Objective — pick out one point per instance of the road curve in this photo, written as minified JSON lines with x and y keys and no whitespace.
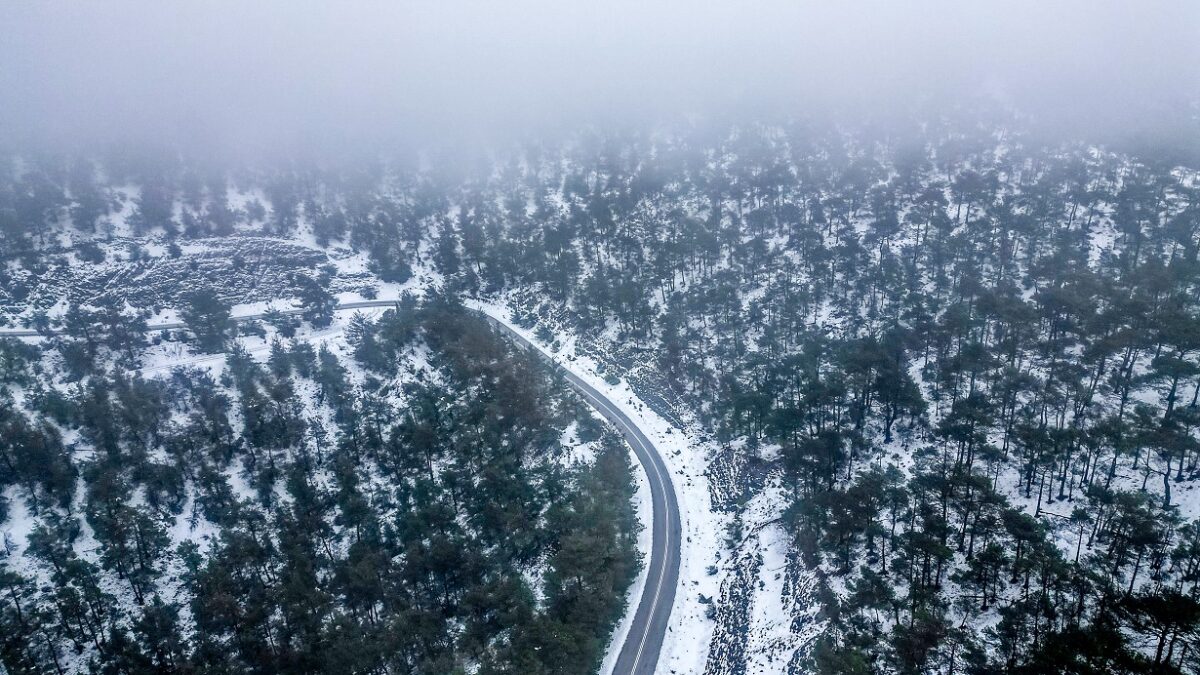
{"x":639,"y":655}
{"x":643,"y":643}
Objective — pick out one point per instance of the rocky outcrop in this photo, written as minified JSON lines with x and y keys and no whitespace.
{"x":730,"y":641}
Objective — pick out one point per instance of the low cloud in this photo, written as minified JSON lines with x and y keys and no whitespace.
{"x":267,"y":75}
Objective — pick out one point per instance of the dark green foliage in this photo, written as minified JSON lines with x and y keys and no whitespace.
{"x":208,"y":318}
{"x":16,"y":362}
{"x":317,"y":303}
{"x":32,"y":456}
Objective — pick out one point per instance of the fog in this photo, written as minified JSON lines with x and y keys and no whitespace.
{"x":272,"y":75}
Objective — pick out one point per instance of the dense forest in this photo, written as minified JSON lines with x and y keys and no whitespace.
{"x":410,"y":508}
{"x":970,"y":358}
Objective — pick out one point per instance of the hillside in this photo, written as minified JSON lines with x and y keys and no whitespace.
{"x":935,"y":386}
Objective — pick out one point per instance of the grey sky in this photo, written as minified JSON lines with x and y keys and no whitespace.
{"x":266,"y":73}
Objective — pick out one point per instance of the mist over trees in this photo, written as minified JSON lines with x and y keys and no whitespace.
{"x":232,"y":80}
{"x":924,"y":277}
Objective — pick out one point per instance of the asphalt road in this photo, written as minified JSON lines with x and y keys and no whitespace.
{"x":639,"y":654}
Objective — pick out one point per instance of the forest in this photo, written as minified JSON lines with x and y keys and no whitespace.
{"x":408,"y":507}
{"x":969,"y":357}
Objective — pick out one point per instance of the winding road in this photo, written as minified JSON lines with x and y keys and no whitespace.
{"x":639,"y":653}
